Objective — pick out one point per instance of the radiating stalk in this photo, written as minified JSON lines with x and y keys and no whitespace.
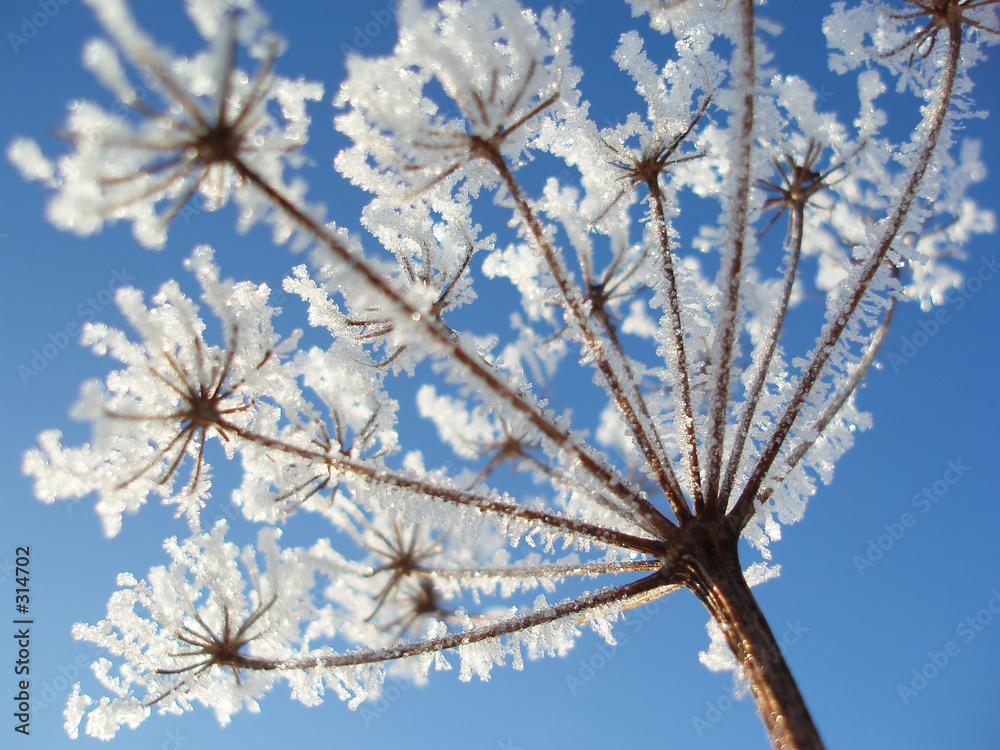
{"x":725,"y":341}
{"x":475,"y":367}
{"x":770,"y":344}
{"x":643,"y":430}
{"x":687,"y":438}
{"x":827,"y":342}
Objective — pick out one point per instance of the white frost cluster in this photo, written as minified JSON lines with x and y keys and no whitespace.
{"x":154,"y":419}
{"x":501,"y":71}
{"x":164,"y":630}
{"x":184,"y":131}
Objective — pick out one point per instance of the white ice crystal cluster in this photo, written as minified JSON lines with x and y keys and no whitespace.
{"x":175,"y":393}
{"x":696,"y":422}
{"x":182,"y":130}
{"x":214,"y":606}
{"x":462,"y":76}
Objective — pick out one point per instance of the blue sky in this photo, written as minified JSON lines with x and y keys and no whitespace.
{"x":852,"y":635}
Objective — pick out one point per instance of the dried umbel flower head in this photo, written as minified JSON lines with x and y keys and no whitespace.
{"x":192,"y":127}
{"x":708,"y":423}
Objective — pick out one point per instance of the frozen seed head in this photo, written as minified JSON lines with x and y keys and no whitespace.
{"x":190,"y":130}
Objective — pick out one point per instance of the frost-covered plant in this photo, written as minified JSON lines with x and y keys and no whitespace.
{"x":710,"y":430}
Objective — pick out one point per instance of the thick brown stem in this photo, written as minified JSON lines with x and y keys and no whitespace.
{"x":716,"y":578}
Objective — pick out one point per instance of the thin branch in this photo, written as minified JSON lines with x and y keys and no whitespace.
{"x":748,"y":412}
{"x":544,"y":571}
{"x":474,"y":366}
{"x":641,"y":426}
{"x":456,"y":496}
{"x":725,"y":342}
{"x":495,"y":629}
{"x":741,"y":515}
{"x":688,"y":438}
{"x":831,"y":335}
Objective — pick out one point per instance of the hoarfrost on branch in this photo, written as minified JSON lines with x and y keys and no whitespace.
{"x":704,"y":426}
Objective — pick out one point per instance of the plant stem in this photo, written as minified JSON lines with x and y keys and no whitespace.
{"x":715,"y":576}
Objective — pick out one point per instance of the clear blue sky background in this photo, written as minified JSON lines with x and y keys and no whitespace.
{"x":858,"y":636}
